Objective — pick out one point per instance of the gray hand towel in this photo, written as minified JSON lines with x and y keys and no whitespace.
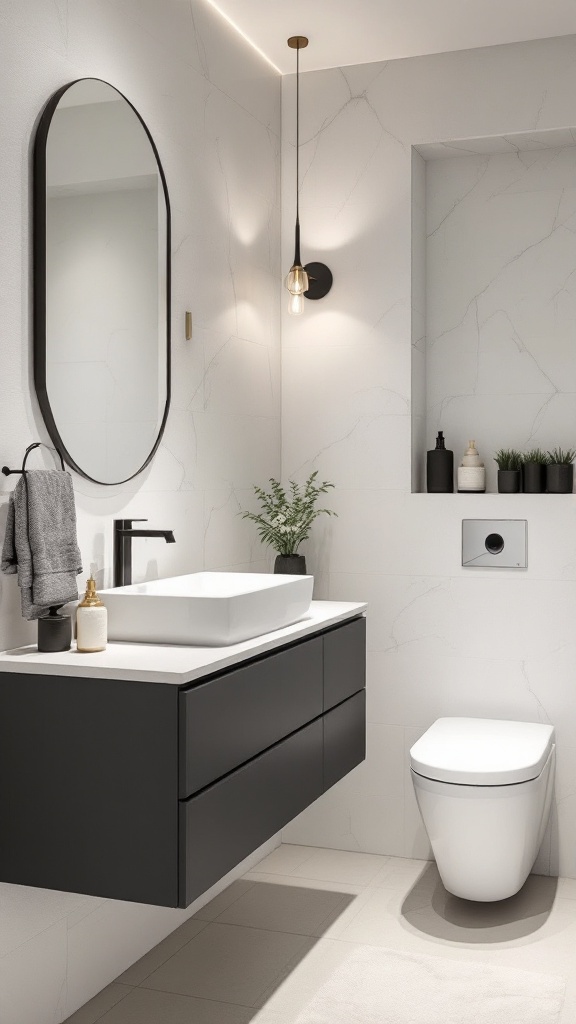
{"x":40,"y":542}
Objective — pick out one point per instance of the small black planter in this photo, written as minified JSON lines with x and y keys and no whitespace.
{"x":508,"y":481}
{"x":560,"y":478}
{"x":291,"y":565}
{"x":533,"y":477}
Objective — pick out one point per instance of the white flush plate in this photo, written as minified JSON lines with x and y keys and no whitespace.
{"x":495,"y":543}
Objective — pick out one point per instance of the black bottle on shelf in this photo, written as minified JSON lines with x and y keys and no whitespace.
{"x":440,"y":468}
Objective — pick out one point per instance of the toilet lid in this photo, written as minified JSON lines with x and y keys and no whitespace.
{"x":482,"y":751}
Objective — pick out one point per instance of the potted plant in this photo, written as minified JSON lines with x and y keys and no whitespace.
{"x":560,"y":471}
{"x":534,"y":465}
{"x":508,"y":462}
{"x":286,"y":518}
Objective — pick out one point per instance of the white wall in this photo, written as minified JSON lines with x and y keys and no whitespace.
{"x":213,"y":108}
{"x":441,"y":640}
{"x":501,"y":299}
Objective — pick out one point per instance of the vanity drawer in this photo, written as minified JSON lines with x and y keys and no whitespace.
{"x":344,"y":662}
{"x":230,"y":819}
{"x":228,"y":720}
{"x":344,"y":738}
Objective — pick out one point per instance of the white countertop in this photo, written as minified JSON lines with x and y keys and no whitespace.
{"x":164,"y":663}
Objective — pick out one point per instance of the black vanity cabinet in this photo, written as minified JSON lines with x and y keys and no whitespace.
{"x":151,"y":792}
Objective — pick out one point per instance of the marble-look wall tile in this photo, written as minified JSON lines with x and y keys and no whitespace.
{"x":442,"y":640}
{"x":365,"y":810}
{"x":33,"y":978}
{"x":213,"y":108}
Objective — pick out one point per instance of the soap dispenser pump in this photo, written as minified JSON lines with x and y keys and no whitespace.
{"x":91,"y":621}
{"x":471,"y":472}
{"x":440,"y":468}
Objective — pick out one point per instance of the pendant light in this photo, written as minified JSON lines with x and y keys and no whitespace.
{"x":315,"y":279}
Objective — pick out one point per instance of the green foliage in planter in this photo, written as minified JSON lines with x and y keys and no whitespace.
{"x":536,"y":455}
{"x":561,"y":457}
{"x":286,"y":519}
{"x":508,"y":458}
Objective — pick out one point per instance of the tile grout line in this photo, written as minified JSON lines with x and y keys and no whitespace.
{"x":186,"y":995}
{"x":204,"y":925}
{"x":204,"y":921}
{"x":251,"y":927}
{"x":103,"y":1014}
{"x":332,"y":881}
{"x":250,"y":884}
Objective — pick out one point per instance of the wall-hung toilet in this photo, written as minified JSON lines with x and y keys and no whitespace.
{"x":484,"y":789}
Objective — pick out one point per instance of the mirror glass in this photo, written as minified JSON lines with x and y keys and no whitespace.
{"x":101,"y":255}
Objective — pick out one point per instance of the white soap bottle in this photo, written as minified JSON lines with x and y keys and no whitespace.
{"x":471,"y":472}
{"x":91,"y":621}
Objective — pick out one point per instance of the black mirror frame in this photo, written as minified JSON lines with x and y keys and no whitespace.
{"x":39,"y":280}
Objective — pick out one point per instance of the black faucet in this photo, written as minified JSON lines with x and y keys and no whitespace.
{"x":123,"y":534}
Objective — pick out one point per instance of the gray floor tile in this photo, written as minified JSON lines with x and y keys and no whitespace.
{"x":285,"y":908}
{"x":270,"y":940}
{"x":303,"y":980}
{"x":284,"y":859}
{"x":148,"y":963}
{"x":229,"y":963}
{"x":341,"y":866}
{"x":144,"y":1006}
{"x":92,"y":1011}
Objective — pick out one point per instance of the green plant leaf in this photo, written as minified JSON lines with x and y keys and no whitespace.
{"x":561,"y":456}
{"x":286,"y":518}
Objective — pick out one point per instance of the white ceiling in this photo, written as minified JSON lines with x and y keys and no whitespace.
{"x":359,"y":31}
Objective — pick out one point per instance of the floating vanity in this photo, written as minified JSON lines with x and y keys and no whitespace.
{"x":146,"y":772}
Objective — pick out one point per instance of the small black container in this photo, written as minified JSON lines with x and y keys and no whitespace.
{"x":290,"y":565}
{"x":560,"y":478}
{"x":440,"y":468}
{"x":508,"y":481}
{"x":533,"y":477}
{"x":54,"y":632}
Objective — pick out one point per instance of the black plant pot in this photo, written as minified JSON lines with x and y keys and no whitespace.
{"x":291,"y":565}
{"x":508,"y":481}
{"x":559,"y":478}
{"x":533,"y":477}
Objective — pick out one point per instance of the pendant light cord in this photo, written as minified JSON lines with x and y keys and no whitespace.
{"x":297,"y":259}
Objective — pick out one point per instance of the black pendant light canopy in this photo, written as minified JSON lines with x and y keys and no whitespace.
{"x":314,"y":280}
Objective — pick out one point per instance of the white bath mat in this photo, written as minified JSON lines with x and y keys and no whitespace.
{"x":382,"y":986}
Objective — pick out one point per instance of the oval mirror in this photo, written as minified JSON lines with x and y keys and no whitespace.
{"x":101,"y":282}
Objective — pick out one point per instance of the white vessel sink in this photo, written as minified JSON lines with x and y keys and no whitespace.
{"x":206,"y":608}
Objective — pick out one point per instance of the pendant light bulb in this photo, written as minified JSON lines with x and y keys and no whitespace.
{"x":296,"y":305}
{"x":297,"y":280}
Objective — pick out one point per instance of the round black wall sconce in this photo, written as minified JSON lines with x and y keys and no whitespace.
{"x":319,"y":280}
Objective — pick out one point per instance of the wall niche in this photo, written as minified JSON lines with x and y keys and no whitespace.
{"x":494,"y":295}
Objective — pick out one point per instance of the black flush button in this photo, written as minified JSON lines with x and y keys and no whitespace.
{"x":494,"y":543}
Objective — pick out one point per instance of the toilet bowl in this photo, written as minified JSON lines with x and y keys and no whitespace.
{"x":484,"y":789}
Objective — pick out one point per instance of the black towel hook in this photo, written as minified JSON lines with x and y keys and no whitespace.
{"x":30,"y":448}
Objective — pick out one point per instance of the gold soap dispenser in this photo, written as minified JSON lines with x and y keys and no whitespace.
{"x":91,"y":621}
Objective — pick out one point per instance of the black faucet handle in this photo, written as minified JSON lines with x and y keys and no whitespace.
{"x":126,"y":524}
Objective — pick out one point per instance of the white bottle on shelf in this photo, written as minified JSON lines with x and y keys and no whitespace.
{"x":471,"y":472}
{"x":91,"y":621}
